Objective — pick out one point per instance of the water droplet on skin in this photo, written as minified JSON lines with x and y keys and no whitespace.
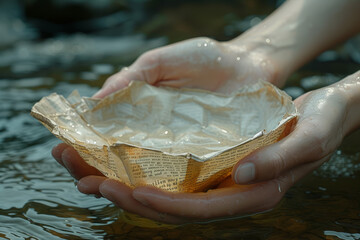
{"x":292,"y":177}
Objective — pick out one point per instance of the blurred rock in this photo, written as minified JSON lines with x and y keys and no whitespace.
{"x":13,"y":28}
{"x":353,"y":48}
{"x":52,"y":17}
{"x":340,"y":165}
{"x":315,"y":82}
{"x":294,"y":91}
{"x":67,"y":50}
{"x":102,"y":68}
{"x":237,"y":27}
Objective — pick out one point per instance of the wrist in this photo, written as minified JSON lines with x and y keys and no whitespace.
{"x":268,"y":56}
{"x":300,"y":30}
{"x":258,"y":57}
{"x":275,"y":37}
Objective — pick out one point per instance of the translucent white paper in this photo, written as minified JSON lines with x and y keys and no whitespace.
{"x":175,"y":139}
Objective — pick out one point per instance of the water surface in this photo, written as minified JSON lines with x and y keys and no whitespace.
{"x":38,"y":198}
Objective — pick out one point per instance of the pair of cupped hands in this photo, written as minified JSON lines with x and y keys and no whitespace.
{"x":259,"y":181}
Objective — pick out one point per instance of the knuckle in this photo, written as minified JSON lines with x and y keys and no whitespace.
{"x":278,"y":164}
{"x":319,"y":141}
{"x":149,"y":65}
{"x":150,"y":58}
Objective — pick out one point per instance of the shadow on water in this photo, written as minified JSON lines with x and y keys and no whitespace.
{"x":42,"y":51}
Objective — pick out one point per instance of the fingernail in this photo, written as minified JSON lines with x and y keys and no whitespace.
{"x":245,"y":173}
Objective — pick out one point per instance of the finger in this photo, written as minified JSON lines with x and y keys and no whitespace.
{"x":145,"y":68}
{"x":225,"y":202}
{"x":294,"y":175}
{"x":113,"y":83}
{"x":213,"y":204}
{"x":57,"y":152}
{"x":121,"y":195}
{"x":172,"y":62}
{"x":305,"y":144}
{"x":90,"y":184}
{"x":76,"y":166}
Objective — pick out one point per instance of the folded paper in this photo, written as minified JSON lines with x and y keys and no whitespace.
{"x":181,"y":140}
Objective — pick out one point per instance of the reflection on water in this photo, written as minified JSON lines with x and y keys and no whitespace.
{"x":30,"y":57}
{"x":38,"y":199}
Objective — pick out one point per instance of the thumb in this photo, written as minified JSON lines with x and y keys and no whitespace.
{"x":145,"y":68}
{"x":317,"y":134}
{"x":305,"y":144}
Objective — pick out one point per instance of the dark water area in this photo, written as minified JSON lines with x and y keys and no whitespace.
{"x":59,"y":46}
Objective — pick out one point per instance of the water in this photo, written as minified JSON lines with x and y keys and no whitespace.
{"x":38,"y":198}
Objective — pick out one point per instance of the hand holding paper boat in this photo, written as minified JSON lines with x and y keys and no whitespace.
{"x":183,"y":140}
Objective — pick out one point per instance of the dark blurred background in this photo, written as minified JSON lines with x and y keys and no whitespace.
{"x":51,"y":46}
{"x":49,"y":18}
{"x":40,"y":35}
{"x":43,"y":35}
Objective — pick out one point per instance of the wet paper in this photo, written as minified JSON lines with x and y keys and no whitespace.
{"x":180,"y":140}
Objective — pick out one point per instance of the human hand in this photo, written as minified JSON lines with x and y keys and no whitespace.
{"x":268,"y":172}
{"x":91,"y":181}
{"x":197,"y":63}
{"x":320,"y":129}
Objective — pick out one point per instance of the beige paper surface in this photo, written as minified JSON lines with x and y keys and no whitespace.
{"x":176,"y":139}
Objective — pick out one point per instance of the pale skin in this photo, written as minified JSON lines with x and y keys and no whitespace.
{"x":294,"y":34}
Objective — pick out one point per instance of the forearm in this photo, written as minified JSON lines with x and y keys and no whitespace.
{"x":350,"y":87}
{"x":301,"y":29}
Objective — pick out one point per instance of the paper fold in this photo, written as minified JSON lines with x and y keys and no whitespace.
{"x":175,"y":139}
